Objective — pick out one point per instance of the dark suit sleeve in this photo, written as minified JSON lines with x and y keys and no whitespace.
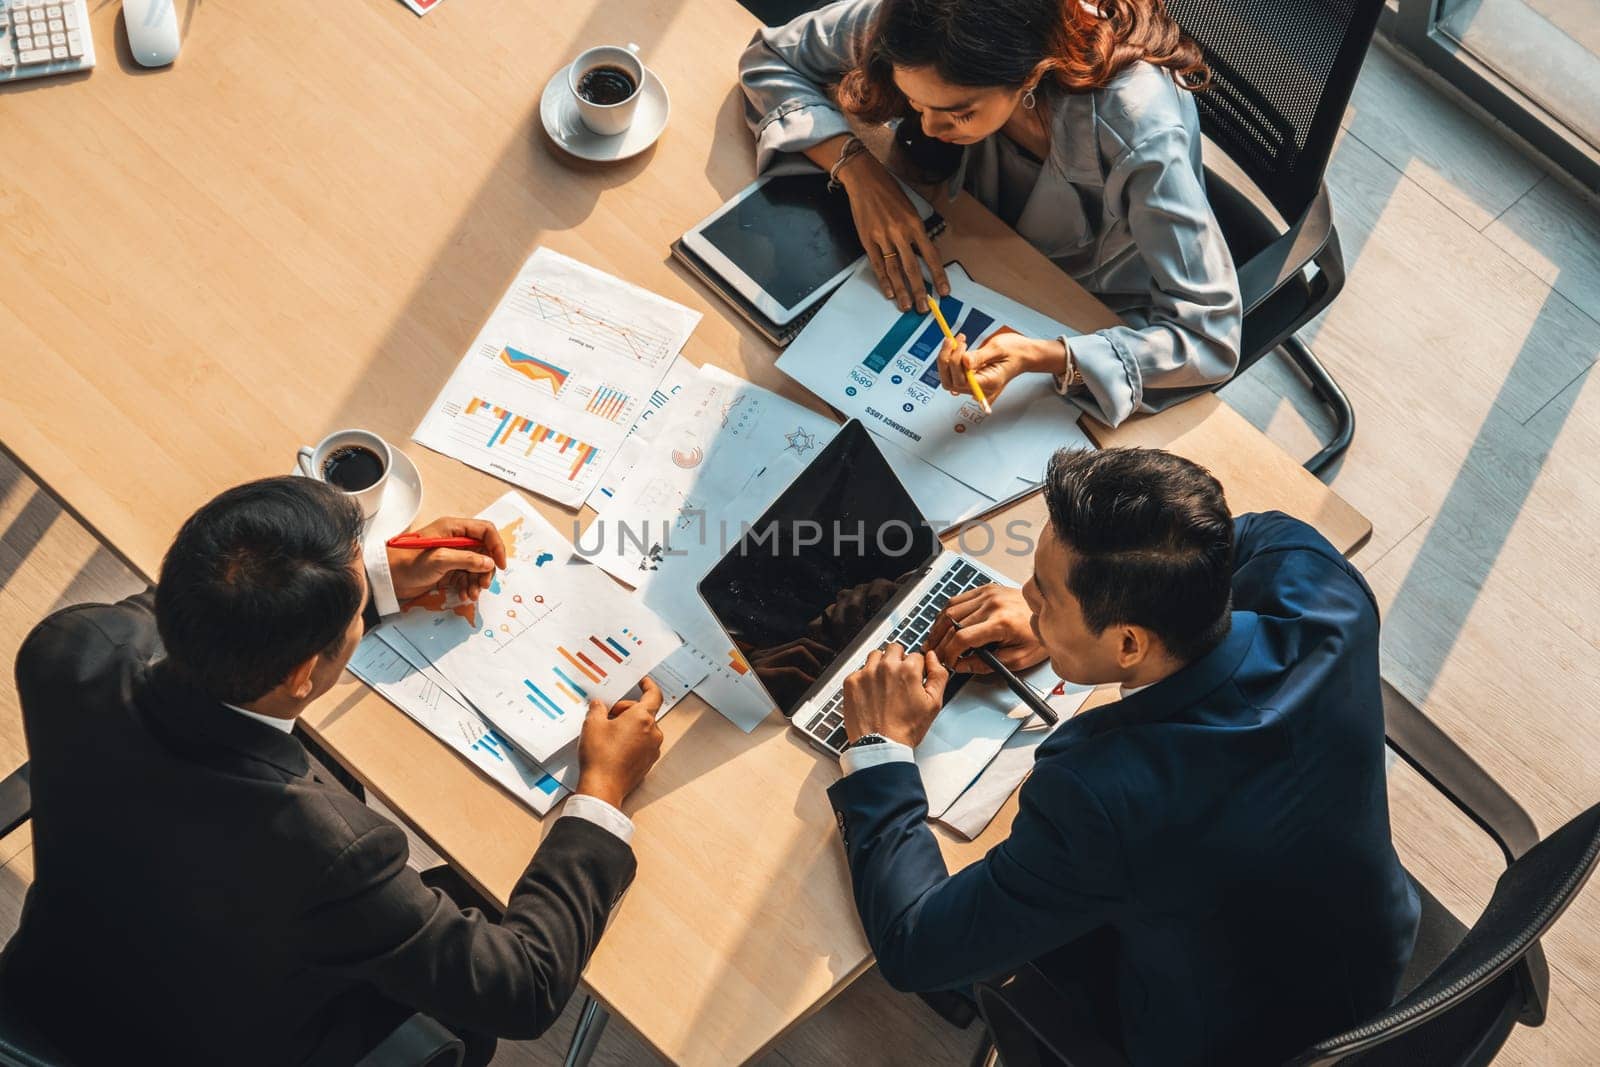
{"x":1058,"y":876}
{"x":57,"y":639}
{"x":372,"y":918}
{"x":1276,"y":556}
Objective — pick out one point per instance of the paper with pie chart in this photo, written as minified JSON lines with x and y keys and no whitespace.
{"x":564,"y":367}
{"x":548,"y":634}
{"x":871,"y":361}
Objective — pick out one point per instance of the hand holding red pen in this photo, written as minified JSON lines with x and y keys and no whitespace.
{"x":438,"y":556}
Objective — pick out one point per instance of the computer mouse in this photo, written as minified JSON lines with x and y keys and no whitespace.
{"x":152,"y":31}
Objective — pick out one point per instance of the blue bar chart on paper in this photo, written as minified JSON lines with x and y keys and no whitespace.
{"x":563,"y":691}
{"x":881,"y":365}
{"x":527,"y":652}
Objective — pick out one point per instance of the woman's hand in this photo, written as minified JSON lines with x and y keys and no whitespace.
{"x":998,"y":360}
{"x":892,"y":233}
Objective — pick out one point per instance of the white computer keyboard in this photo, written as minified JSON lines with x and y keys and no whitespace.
{"x":40,"y":37}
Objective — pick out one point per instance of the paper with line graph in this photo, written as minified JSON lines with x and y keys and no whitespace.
{"x":549,"y":633}
{"x":551,"y":385}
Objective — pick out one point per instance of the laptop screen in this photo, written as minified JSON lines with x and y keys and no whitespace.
{"x":813,"y":571}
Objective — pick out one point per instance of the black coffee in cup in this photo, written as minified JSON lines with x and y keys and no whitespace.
{"x":606,"y":85}
{"x":352,"y":468}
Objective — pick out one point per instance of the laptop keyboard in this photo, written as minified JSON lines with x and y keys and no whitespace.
{"x":826,"y":725}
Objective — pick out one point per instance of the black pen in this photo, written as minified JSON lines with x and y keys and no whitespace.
{"x":1023,"y":690}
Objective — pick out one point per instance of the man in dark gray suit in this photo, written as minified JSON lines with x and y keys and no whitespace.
{"x":202,"y":895}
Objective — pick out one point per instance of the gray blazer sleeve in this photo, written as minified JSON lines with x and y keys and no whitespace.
{"x":787,"y":72}
{"x":1191,"y":340}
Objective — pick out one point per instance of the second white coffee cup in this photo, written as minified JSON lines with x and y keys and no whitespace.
{"x":610,"y":118}
{"x":355,"y":462}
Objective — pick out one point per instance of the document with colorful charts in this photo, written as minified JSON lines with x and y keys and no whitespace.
{"x":686,"y":495}
{"x":566,"y":364}
{"x":458,"y":725}
{"x":548,"y":634}
{"x":677,"y":675}
{"x":869,"y":360}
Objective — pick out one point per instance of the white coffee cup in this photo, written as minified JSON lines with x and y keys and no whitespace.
{"x":314,"y":463}
{"x":607,"y":120}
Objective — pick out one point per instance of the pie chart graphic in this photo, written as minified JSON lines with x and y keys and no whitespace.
{"x":688,"y":458}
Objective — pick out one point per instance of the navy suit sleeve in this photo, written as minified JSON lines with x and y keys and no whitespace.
{"x":1279,"y":560}
{"x":1057,"y":877}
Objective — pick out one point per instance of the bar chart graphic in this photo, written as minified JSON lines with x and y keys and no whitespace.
{"x":522,"y":438}
{"x":586,"y":665}
{"x":924,"y":349}
{"x":538,"y":371}
{"x":608,"y":403}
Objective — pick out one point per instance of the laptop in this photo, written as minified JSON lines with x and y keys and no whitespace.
{"x":840,"y":564}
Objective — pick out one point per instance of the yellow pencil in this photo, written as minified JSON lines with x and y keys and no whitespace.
{"x":972,"y":379}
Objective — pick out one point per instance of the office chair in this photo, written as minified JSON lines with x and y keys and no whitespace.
{"x":1282,"y":74}
{"x":1464,"y":990}
{"x":417,"y":1042}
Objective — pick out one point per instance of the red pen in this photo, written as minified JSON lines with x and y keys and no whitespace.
{"x":418,"y":541}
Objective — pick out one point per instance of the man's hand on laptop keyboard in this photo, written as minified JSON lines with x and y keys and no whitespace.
{"x":995,"y":615}
{"x":895,"y":695}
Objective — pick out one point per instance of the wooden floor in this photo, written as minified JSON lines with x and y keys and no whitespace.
{"x":1465,"y":338}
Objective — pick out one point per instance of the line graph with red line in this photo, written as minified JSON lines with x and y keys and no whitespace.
{"x":588,"y":323}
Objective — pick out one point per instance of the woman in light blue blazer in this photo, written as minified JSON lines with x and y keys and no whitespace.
{"x":1074,"y":123}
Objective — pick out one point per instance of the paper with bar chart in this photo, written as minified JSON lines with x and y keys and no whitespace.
{"x":565,"y":366}
{"x":870,"y":360}
{"x":639,"y":442}
{"x":548,"y":634}
{"x":454,"y":722}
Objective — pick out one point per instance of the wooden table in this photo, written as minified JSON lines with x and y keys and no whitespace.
{"x":300,"y":226}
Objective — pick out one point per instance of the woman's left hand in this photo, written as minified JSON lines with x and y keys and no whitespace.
{"x":997,"y":361}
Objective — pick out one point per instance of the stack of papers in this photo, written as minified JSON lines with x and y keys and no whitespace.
{"x":507,"y":680}
{"x":568,"y":362}
{"x":721,"y":451}
{"x":968,"y":784}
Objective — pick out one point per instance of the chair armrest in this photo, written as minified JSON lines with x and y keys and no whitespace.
{"x":420,"y":1041}
{"x":1025,"y":1011}
{"x":16,"y":800}
{"x":1281,"y":261}
{"x":1450,"y":770}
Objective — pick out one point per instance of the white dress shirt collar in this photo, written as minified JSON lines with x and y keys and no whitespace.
{"x":286,"y":725}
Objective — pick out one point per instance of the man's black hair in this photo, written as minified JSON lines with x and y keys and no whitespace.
{"x":257,"y":582}
{"x":1150,"y":543}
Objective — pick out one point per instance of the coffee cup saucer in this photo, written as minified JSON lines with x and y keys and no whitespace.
{"x":402,"y":499}
{"x":558,"y":109}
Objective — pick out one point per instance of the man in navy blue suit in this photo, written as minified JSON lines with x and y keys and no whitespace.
{"x":1204,"y":866}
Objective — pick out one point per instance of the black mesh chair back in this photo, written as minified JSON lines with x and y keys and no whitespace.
{"x":1282,"y":73}
{"x":1462,"y":1012}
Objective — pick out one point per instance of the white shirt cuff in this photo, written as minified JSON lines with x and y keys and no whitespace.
{"x":379,"y":581}
{"x":593,"y":809}
{"x":857,"y":759}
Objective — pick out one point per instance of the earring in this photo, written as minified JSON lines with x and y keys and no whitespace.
{"x":1028,"y":100}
